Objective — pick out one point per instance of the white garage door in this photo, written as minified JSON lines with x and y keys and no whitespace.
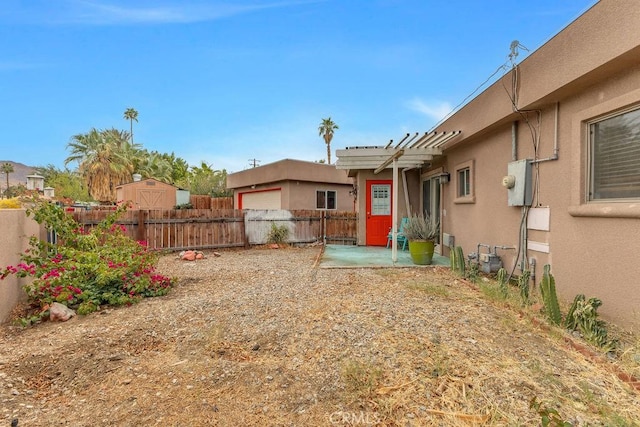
{"x":261,"y":200}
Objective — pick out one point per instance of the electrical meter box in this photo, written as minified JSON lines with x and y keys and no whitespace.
{"x":518,"y":183}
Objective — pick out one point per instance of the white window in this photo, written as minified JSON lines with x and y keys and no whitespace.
{"x":465,"y":192}
{"x":614,"y":163}
{"x":381,"y":199}
{"x":326,"y":199}
{"x":464,"y":182}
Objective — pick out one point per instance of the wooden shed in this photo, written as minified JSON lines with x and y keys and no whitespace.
{"x":147,"y":194}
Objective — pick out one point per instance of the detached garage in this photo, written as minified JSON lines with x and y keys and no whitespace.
{"x":260,"y":199}
{"x":293,"y":184}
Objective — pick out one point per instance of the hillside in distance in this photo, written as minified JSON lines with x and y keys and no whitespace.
{"x":19,"y":174}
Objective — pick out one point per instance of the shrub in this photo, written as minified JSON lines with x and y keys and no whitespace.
{"x":13,"y":203}
{"x":87,"y":269}
{"x":421,"y":227}
{"x":278,"y":233}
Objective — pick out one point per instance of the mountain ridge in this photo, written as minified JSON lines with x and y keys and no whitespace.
{"x":19,"y":174}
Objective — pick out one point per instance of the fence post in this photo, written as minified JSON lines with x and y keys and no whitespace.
{"x":142,"y":226}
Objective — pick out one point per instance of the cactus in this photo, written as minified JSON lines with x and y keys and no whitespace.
{"x":452,"y":259}
{"x":549,"y":296}
{"x":572,"y":320}
{"x":502,"y":282}
{"x":457,"y":260}
{"x":583,"y":317}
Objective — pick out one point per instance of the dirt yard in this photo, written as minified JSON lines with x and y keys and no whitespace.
{"x":264,"y":337}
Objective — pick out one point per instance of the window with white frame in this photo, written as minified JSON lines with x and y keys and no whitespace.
{"x":614,"y":161}
{"x":464,"y":186}
{"x":464,"y":182}
{"x":326,"y":199}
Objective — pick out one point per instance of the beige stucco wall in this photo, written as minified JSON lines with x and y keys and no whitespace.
{"x":16,"y":229}
{"x":590,"y":69}
{"x":302,"y":195}
{"x":298,"y":181}
{"x":414,"y":196}
{"x":296,"y":195}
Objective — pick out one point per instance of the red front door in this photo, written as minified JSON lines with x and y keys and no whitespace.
{"x":378,"y":212}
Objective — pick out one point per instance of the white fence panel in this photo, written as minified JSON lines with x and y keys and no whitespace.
{"x":257,"y":223}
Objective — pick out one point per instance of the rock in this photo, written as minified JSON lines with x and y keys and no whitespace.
{"x":217,"y":254}
{"x":60,"y":312}
{"x":199,"y":255}
{"x":189,"y":256}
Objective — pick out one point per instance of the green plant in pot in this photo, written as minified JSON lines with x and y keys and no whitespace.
{"x":421,"y":231}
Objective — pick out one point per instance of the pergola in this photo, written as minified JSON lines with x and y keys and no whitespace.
{"x":412,"y":151}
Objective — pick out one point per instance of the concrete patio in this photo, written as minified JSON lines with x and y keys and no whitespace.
{"x":344,"y":256}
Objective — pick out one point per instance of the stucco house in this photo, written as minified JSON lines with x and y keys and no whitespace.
{"x":543,"y":167}
{"x":147,"y":194}
{"x":292,"y":184}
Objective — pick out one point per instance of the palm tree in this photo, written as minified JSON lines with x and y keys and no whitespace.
{"x":154,"y":165}
{"x":325,"y":130}
{"x":105,"y":159}
{"x":131,"y":115}
{"x":7,"y":168}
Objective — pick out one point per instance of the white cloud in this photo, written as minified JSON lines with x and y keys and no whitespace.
{"x":436,"y":110}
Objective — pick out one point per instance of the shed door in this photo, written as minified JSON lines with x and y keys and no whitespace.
{"x":378,"y":212}
{"x":150,"y":199}
{"x":270,"y":199}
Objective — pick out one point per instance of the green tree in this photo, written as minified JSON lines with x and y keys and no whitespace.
{"x":179,"y":167}
{"x":131,"y":115}
{"x":205,"y":180}
{"x":7,"y":168}
{"x":325,"y":130}
{"x":67,"y":184}
{"x":105,"y":160}
{"x":154,"y":165}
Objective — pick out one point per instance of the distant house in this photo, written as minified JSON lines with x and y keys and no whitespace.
{"x":147,"y":194}
{"x":543,"y":167}
{"x":292,"y":185}
{"x":35,"y":182}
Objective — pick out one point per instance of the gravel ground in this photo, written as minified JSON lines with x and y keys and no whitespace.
{"x":265,"y":337}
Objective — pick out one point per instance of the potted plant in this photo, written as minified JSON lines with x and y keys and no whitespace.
{"x":421,"y":231}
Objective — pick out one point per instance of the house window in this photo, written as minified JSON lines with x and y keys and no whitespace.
{"x":464,"y":183}
{"x":614,"y":163}
{"x":325,"y":199}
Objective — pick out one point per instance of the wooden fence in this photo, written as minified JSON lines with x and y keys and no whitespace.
{"x":219,"y":228}
{"x":206,"y":202}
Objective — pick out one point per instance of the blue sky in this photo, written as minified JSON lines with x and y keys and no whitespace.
{"x":228,"y":81}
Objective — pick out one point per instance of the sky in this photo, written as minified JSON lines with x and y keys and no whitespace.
{"x":241,"y":82}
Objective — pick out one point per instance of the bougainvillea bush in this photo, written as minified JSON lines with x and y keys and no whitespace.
{"x":87,"y":269}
